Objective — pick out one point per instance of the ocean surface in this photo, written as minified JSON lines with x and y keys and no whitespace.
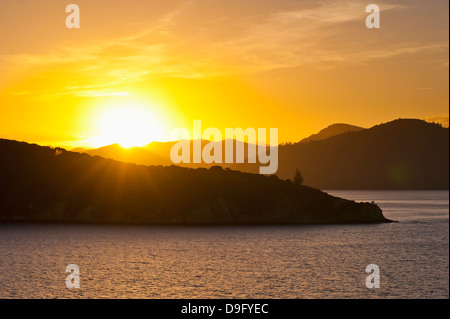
{"x":238,"y":262}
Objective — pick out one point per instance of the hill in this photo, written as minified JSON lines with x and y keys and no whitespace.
{"x":156,"y":153}
{"x":402,"y":154}
{"x":332,"y":130}
{"x":152,"y":154}
{"x":42,"y":184}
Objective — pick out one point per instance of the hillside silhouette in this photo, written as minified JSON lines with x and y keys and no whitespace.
{"x":402,"y":154}
{"x":43,"y":184}
{"x":330,"y":131}
{"x":158,"y":153}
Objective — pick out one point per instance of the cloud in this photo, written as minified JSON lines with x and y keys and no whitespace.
{"x":180,"y":44}
{"x":329,"y":35}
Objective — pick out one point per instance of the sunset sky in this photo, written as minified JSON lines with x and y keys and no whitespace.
{"x":297,"y":65}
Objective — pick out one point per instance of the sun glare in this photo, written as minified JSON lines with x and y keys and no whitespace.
{"x":127,"y":125}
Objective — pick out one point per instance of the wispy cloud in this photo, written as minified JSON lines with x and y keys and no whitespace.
{"x":324,"y":35}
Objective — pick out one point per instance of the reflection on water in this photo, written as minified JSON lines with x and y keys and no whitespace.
{"x":238,"y":262}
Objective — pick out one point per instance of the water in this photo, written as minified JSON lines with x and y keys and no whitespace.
{"x":238,"y":262}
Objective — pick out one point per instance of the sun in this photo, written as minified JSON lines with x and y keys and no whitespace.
{"x":128,"y":125}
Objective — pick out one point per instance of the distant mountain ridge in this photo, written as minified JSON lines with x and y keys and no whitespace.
{"x":332,"y":130}
{"x":402,"y":154}
{"x":156,"y":153}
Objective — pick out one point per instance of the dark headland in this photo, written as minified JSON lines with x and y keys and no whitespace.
{"x":46,"y":185}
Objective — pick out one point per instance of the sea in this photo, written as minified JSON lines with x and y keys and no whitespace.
{"x":407,"y":259}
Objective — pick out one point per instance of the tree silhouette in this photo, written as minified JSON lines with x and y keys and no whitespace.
{"x":298,"y":178}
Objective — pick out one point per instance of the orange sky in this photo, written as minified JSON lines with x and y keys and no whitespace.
{"x":298,"y":65}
